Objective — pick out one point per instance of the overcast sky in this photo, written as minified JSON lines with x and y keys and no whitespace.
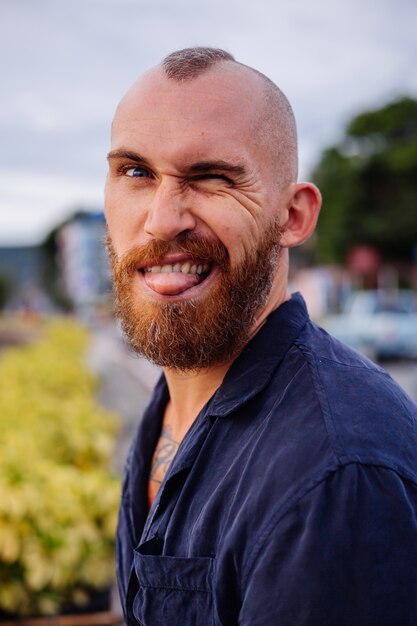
{"x":64,"y":64}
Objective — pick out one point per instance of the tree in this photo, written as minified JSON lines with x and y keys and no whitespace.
{"x":369,"y":186}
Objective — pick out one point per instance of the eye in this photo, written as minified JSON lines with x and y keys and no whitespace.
{"x":214,"y":176}
{"x":136,"y":172}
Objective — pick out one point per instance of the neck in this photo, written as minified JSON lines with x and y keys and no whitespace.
{"x":190,"y":391}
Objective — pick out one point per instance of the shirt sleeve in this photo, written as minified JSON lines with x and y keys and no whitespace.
{"x":345,"y":555}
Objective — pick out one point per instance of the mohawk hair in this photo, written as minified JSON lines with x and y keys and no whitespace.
{"x":189,"y":63}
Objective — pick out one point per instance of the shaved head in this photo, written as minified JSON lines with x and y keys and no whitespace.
{"x":275,"y":122}
{"x":272,"y":123}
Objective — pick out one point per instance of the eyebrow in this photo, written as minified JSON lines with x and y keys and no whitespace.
{"x":194,"y":168}
{"x":126,"y":154}
{"x":210,"y":166}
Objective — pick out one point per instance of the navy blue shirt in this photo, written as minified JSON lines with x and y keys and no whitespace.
{"x":292,"y":500}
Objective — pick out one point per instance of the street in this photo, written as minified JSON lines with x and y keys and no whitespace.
{"x":126,"y":382}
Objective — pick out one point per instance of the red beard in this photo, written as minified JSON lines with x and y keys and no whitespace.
{"x":209,"y":330}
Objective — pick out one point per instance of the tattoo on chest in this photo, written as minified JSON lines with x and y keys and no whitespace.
{"x":164,"y":453}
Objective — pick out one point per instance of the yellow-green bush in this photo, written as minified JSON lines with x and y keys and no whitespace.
{"x":58,"y":495}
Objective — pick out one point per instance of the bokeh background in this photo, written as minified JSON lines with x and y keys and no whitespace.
{"x":71,"y":394}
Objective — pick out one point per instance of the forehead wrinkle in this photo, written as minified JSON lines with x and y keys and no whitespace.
{"x":196,"y":152}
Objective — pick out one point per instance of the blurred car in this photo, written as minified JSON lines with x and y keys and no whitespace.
{"x":380,"y":324}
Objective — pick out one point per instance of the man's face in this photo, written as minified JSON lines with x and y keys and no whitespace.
{"x":192,"y":211}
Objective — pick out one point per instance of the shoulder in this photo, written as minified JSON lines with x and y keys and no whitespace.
{"x":349,"y":544}
{"x":368,"y":417}
{"x":333,"y":425}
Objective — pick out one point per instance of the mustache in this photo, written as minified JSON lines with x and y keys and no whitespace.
{"x":151,"y":253}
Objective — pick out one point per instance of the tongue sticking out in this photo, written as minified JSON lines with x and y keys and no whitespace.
{"x":171,"y":283}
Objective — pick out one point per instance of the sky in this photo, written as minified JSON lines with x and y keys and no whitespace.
{"x":64,"y":65}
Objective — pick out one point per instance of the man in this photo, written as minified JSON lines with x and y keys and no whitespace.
{"x":273,"y":477}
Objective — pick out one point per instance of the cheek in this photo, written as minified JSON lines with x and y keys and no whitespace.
{"x":235,"y":227}
{"x":124,"y":218}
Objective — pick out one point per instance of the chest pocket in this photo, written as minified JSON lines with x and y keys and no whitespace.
{"x":173,"y":591}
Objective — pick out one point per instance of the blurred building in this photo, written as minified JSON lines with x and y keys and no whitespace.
{"x":83,"y":265}
{"x":21,"y":264}
{"x":22,"y":271}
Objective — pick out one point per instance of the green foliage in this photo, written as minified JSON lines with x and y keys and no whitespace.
{"x":58,"y":496}
{"x":395,"y":123}
{"x":369,"y":185}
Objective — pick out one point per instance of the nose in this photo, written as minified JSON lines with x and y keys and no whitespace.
{"x":168,"y":212}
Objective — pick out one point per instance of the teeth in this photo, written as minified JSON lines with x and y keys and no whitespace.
{"x":185,"y":268}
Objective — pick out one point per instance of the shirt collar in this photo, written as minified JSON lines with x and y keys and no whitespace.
{"x":254,"y":367}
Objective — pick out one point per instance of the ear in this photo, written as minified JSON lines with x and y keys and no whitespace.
{"x":299,"y":217}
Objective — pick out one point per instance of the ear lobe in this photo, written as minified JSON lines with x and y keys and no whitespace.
{"x":301,"y":214}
